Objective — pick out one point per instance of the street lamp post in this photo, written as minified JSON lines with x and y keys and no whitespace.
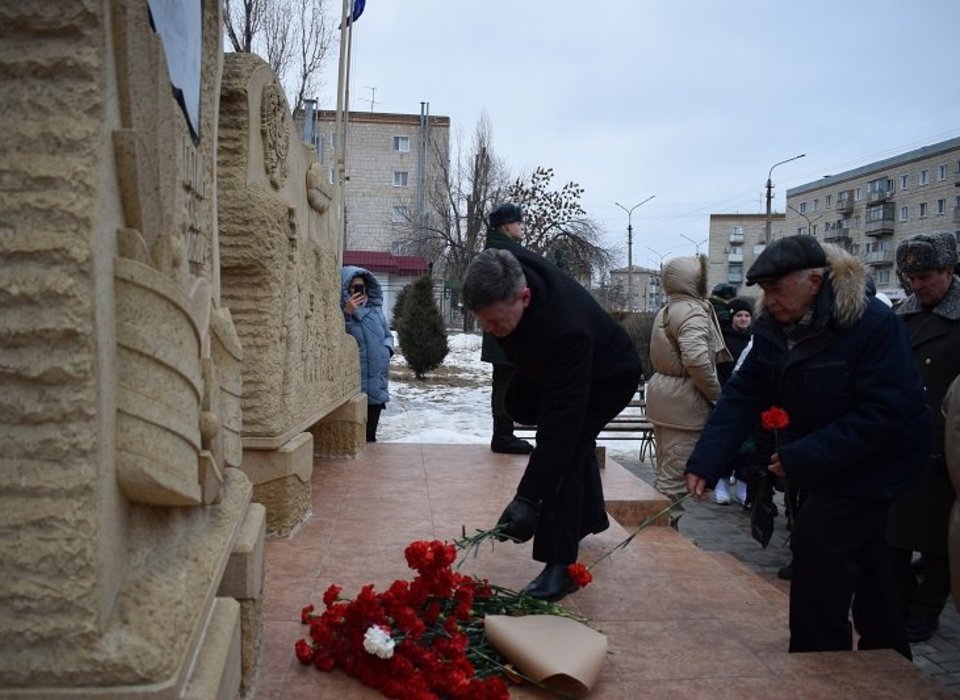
{"x":630,"y":248}
{"x":659,"y":273}
{"x":766,"y":228}
{"x":809,"y":223}
{"x":695,"y":244}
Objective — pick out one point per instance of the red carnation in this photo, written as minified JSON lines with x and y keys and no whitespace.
{"x":306,"y":614}
{"x":774,"y":418}
{"x":305,"y":652}
{"x":580,"y":574}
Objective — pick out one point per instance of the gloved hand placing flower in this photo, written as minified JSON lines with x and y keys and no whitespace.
{"x":518,"y":520}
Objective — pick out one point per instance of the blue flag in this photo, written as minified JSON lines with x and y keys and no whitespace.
{"x":357,"y":9}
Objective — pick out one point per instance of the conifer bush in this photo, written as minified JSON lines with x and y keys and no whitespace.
{"x":423,"y":338}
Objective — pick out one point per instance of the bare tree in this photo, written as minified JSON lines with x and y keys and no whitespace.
{"x":294,"y":36}
{"x":242,"y":20}
{"x":557,"y":226}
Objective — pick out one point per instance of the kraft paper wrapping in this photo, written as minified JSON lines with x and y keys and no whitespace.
{"x":562,"y":654}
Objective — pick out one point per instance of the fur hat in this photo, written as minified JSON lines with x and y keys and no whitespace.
{"x":926,"y":252}
{"x":740,"y":304}
{"x":724,"y":291}
{"x":506,"y":213}
{"x":786,"y":255}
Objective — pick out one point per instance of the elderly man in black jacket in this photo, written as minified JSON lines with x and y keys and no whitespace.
{"x":918,"y":519}
{"x":576,"y":369}
{"x":838,"y":362}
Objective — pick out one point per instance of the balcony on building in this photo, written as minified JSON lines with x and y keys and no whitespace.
{"x":879,"y":257}
{"x":880,"y":219}
{"x":735,"y":256}
{"x":845,"y":202}
{"x":736,"y":234}
{"x":836,"y":233}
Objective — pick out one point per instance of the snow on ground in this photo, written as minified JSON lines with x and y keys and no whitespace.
{"x":452,"y":404}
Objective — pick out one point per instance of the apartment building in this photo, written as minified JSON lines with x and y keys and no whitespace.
{"x":870,"y":209}
{"x":393,"y":161}
{"x":645,"y":284}
{"x":735,"y":241}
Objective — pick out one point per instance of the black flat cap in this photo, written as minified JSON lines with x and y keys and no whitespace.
{"x":786,"y":255}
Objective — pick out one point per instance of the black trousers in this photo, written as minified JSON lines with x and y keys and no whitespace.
{"x":841,"y":557}
{"x":502,"y":422}
{"x":373,"y":420}
{"x":923,"y":598}
{"x":576,"y":507}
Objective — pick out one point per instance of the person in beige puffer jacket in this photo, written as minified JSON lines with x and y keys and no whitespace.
{"x":685,"y":347}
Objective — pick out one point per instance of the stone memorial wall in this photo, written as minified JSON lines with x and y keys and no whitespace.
{"x":131,"y":549}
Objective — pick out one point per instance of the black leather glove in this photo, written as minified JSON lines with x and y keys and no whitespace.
{"x":519,"y":519}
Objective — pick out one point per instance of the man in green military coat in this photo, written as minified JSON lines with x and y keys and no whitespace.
{"x":918,"y":520}
{"x":505,"y":230}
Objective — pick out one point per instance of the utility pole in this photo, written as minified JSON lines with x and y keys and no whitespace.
{"x":630,"y":248}
{"x":766,"y":228}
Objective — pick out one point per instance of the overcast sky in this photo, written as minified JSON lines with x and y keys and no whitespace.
{"x":688,"y":100}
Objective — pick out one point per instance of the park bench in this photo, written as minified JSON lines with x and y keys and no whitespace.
{"x":629,"y":424}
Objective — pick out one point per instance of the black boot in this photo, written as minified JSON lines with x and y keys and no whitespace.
{"x":504,"y":441}
{"x":510,"y":444}
{"x":552,"y":584}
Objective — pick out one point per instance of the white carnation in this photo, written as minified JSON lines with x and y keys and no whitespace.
{"x":377,"y":641}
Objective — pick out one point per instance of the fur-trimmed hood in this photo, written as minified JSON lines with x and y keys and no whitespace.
{"x":846,"y":283}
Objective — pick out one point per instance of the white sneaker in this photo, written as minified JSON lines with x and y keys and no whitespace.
{"x":741,"y":491}
{"x":721,"y":494}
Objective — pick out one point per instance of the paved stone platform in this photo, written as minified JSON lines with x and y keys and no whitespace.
{"x":725,"y":531}
{"x":681,"y":622}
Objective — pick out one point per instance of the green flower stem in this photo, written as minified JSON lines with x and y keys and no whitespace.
{"x":640,"y":529}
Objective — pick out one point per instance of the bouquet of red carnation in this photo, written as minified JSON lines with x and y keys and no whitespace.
{"x":422,"y":638}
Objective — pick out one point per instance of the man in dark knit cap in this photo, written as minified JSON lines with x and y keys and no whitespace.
{"x":505,"y":231}
{"x":837,"y":361}
{"x":918,"y":520}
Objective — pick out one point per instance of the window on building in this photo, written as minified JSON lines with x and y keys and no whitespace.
{"x":400,"y":178}
{"x":814,"y":230}
{"x":333,"y":140}
{"x":904,"y":182}
{"x":801,"y":231}
{"x":882,"y":276}
{"x":401,"y":144}
{"x":397,"y":215}
{"x":816,"y":204}
{"x":942,"y":172}
{"x":904,"y":213}
{"x":330,"y":174}
{"x":735,"y":273}
{"x":828,"y":200}
{"x":923,"y":210}
{"x":941,"y":206}
{"x":924,"y":177}
{"x":880,"y":185}
{"x":803,"y":207}
{"x":858,"y":194}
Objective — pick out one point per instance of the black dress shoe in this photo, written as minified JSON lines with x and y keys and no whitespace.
{"x":510,"y":445}
{"x":552,"y":584}
{"x":920,"y":629}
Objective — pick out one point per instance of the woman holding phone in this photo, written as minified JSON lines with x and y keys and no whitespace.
{"x":362,"y":301}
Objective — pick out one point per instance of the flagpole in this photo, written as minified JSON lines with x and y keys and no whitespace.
{"x":340,"y":128}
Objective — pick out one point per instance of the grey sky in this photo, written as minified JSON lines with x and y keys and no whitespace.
{"x":691,"y":101}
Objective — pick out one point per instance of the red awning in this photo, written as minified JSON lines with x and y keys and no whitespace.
{"x":407,"y":265}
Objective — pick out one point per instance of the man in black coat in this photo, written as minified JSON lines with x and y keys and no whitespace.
{"x":576,"y":369}
{"x":838,"y":362}
{"x":918,"y":519}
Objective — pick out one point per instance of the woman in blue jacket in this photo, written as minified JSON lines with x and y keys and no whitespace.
{"x":362,"y":301}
